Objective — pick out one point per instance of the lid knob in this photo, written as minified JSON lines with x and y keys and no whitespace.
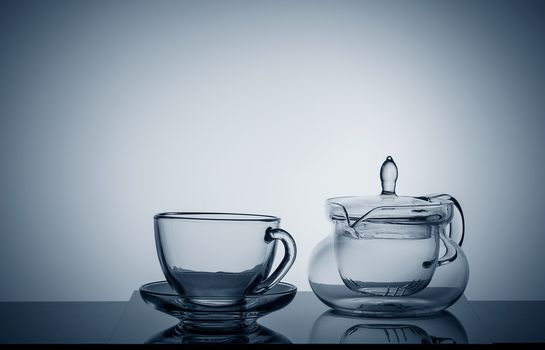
{"x":388,"y":176}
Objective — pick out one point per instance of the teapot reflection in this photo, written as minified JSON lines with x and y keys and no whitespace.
{"x":443,"y":328}
{"x":178,"y":335}
{"x":391,"y":334}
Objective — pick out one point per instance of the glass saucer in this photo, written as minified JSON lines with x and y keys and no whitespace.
{"x":217,"y":318}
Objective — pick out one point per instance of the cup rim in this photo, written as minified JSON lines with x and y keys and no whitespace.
{"x":215,"y":216}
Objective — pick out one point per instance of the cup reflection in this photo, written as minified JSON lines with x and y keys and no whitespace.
{"x":443,"y":328}
{"x":180,"y":335}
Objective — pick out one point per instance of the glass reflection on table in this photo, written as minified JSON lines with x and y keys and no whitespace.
{"x":443,"y":328}
{"x":180,"y":335}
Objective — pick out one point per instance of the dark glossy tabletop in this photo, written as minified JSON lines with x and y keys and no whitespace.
{"x":305,"y":320}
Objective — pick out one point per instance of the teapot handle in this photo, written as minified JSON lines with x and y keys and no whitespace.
{"x":451,"y":253}
{"x":456,"y":234}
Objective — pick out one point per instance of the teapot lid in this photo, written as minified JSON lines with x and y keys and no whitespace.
{"x":388,"y":206}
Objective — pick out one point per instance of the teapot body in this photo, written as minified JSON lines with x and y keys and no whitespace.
{"x":445,"y":287}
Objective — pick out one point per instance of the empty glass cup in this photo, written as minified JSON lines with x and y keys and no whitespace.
{"x":218,"y":258}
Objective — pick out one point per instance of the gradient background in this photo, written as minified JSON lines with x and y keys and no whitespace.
{"x":112,"y":111}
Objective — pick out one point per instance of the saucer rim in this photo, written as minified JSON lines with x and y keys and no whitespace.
{"x":292,"y":289}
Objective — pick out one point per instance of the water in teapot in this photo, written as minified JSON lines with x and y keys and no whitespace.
{"x":388,"y":260}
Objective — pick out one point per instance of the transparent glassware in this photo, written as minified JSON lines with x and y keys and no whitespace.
{"x":211,"y":318}
{"x":217,"y":259}
{"x":391,"y":256}
{"x":178,"y":335}
{"x":442,"y":328}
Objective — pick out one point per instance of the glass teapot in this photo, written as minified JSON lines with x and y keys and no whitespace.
{"x":386,"y":250}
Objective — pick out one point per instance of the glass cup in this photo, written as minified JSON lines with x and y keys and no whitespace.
{"x":218,"y":258}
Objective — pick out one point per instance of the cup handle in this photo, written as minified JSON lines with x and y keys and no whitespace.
{"x":289,"y":258}
{"x":451,"y":252}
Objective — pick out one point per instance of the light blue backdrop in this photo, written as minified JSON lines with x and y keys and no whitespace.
{"x":111,"y":111}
